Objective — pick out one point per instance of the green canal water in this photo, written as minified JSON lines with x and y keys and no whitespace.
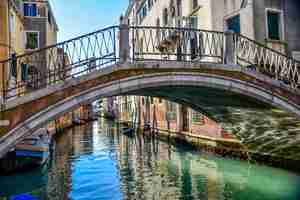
{"x":95,"y":162}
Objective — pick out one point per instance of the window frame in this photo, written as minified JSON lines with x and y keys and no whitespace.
{"x":230,"y":18}
{"x":195,"y":4}
{"x":281,"y":23}
{"x":199,"y":116}
{"x":37,"y":10}
{"x":165,"y":17}
{"x":25,"y":41}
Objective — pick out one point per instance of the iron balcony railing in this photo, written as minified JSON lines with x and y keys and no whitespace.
{"x":82,"y":55}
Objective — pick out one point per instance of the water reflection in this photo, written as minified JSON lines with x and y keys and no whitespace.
{"x":96,"y":162}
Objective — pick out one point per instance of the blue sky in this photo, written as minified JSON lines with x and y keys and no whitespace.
{"x":77,"y":17}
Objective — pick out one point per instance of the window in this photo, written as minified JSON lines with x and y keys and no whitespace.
{"x":142,"y":13}
{"x":158,"y":30}
{"x":165,"y":17}
{"x":171,"y":107}
{"x":158,"y":22}
{"x":234,"y":24}
{"x":172,"y":9}
{"x":273,"y":23}
{"x":195,"y":4}
{"x":150,"y":4}
{"x":194,"y":40}
{"x":197,"y":118}
{"x":194,"y":22}
{"x":143,"y":101}
{"x":32,"y":40}
{"x":179,"y":7}
{"x":30,"y":9}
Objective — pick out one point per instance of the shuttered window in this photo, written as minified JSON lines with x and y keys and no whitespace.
{"x":30,"y":9}
{"x":273,"y":19}
{"x":32,"y":40}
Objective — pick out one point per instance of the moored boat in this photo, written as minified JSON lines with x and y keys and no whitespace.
{"x":34,"y":149}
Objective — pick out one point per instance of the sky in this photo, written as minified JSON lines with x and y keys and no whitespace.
{"x":77,"y":17}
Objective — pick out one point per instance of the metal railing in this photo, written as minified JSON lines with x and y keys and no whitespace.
{"x":179,"y":44}
{"x":41,"y":68}
{"x":267,"y":61}
{"x":82,"y":55}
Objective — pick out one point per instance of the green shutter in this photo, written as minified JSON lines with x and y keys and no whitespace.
{"x":273,"y":26}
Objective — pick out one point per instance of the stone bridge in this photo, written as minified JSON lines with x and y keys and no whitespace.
{"x":248,"y":88}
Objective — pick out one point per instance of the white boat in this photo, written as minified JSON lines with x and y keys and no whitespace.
{"x":35,"y":148}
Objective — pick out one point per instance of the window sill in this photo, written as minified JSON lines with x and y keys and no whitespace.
{"x":35,"y":17}
{"x":276,"y":41}
{"x":198,"y":123}
{"x":30,"y":50}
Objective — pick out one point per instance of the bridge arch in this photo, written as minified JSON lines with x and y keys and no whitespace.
{"x":191,"y":81}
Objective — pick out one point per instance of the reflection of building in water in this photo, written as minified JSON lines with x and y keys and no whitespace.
{"x":151,"y":170}
{"x":83,"y":139}
{"x":59,"y":183}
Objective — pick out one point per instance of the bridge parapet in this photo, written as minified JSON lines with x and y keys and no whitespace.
{"x":118,"y":44}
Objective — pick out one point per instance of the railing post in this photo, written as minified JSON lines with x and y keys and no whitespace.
{"x":124,"y":48}
{"x":229,"y":54}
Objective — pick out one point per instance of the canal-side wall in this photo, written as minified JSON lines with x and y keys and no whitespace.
{"x":80,"y":115}
{"x":225,"y":147}
{"x":166,"y":115}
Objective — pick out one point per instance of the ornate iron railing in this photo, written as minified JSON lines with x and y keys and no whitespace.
{"x":82,"y":55}
{"x":267,"y":61}
{"x":181,"y":44}
{"x":52,"y":64}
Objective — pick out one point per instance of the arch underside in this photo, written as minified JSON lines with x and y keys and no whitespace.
{"x":259,"y":126}
{"x":248,"y":115}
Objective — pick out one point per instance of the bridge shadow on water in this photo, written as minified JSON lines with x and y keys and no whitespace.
{"x":262,"y":128}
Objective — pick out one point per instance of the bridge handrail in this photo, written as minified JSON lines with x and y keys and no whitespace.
{"x":265,"y":46}
{"x":175,"y":28}
{"x":163,"y":43}
{"x":83,"y":54}
{"x":42,"y":67}
{"x":59,"y":44}
{"x":268,"y":61}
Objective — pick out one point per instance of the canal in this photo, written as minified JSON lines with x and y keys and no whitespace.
{"x":95,"y":161}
